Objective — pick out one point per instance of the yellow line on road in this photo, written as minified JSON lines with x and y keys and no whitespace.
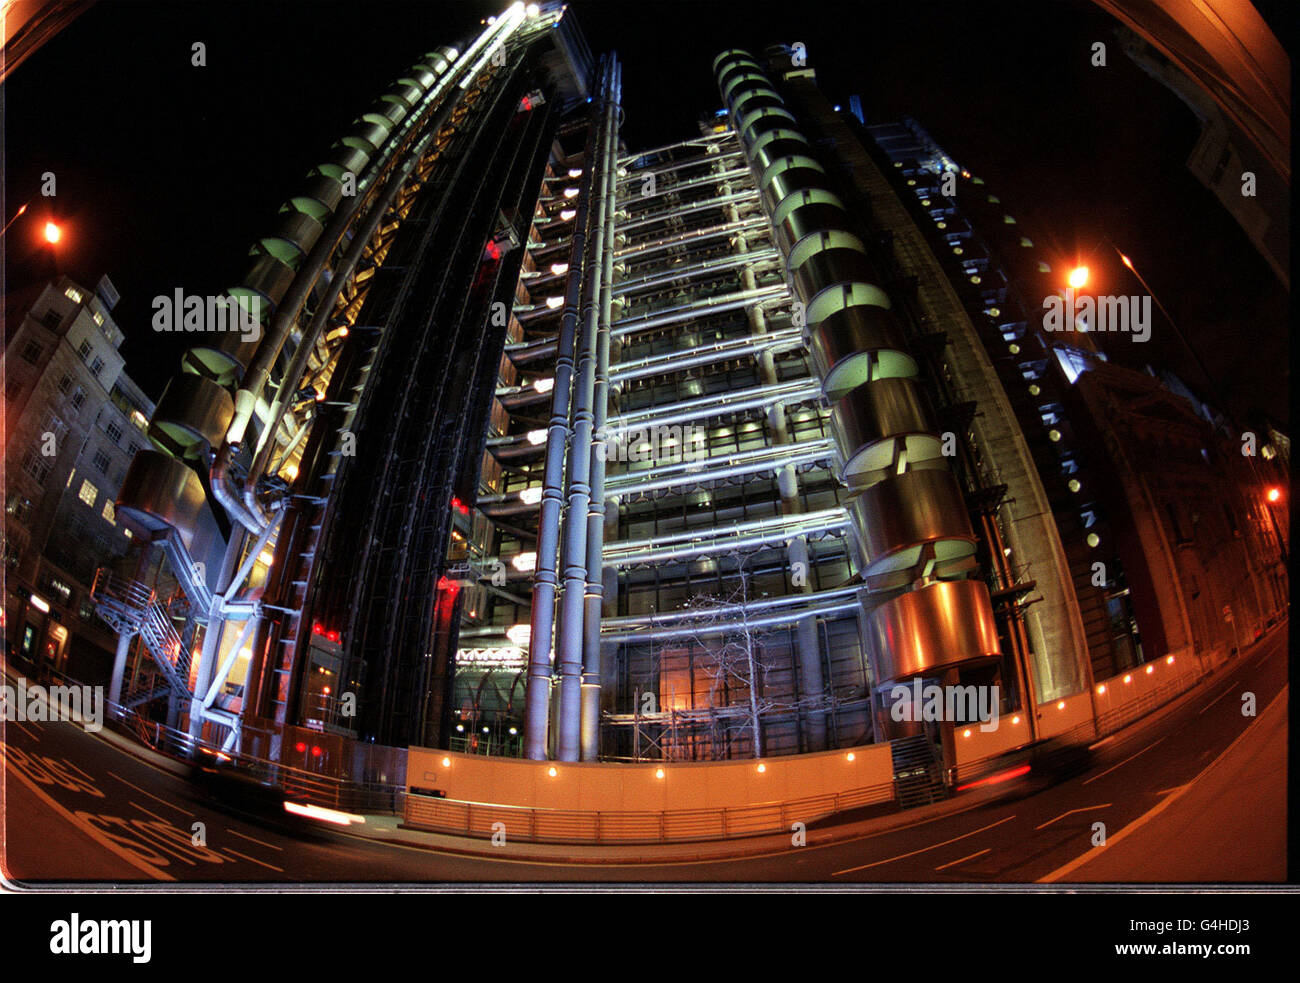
{"x":1104,"y":805}
{"x":244,"y":856}
{"x":251,"y":839}
{"x":169,"y":805}
{"x":1125,"y":761}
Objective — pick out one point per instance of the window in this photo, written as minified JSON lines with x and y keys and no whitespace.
{"x":19,"y":508}
{"x":52,"y":423}
{"x":79,"y":398}
{"x":88,"y":492}
{"x":32,"y":352}
{"x":98,"y":317}
{"x":74,"y":295}
{"x":114,"y":431}
{"x":84,"y":350}
{"x":100,"y":460}
{"x":36,"y":467}
{"x":109,"y":513}
{"x":65,"y":384}
{"x":97,"y":366}
{"x":52,"y":319}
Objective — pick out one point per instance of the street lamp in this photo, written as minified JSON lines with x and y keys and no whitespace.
{"x":17,"y":215}
{"x":52,"y":233}
{"x":1078,"y":277}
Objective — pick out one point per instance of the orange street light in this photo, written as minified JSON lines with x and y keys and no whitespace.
{"x":1274,"y":494}
{"x":52,"y":233}
{"x":17,"y":215}
{"x":1078,"y":277}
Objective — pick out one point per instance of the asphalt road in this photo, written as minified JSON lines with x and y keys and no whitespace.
{"x":78,"y":809}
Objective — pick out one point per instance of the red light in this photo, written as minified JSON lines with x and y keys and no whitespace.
{"x":997,"y":779}
{"x":333,"y":636}
{"x":527,"y":104}
{"x":315,"y":751}
{"x":316,"y":628}
{"x":300,"y":747}
{"x":447,"y":584}
{"x":459,"y":506}
{"x":493,"y":250}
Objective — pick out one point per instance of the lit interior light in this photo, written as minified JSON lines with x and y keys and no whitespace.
{"x":525,"y":562}
{"x":1016,"y":719}
{"x":575,"y":172}
{"x":1061,"y":705}
{"x":1169,"y":661}
{"x":40,"y":604}
{"x":1006,"y":551}
{"x":1101,"y":688}
{"x":1074,"y":485}
{"x":659,"y":773}
{"x":446,"y":762}
{"x":460,"y":728}
{"x":531,"y":496}
{"x":850,"y":756}
{"x":567,"y":213}
{"x":554,"y":302}
{"x":1128,"y":679}
{"x":265,"y":558}
{"x":570,"y":192}
{"x":762,"y":768}
{"x":559,"y":268}
{"x":974,"y":279}
{"x":925,"y":202}
{"x":536,"y":437}
{"x":1053,"y":435}
{"x":1093,"y":540}
{"x":1034,"y":390}
{"x":514,"y":730}
{"x":1150,"y":670}
{"x":941,"y":225}
{"x":544,"y":385}
{"x":551,"y":771}
{"x":520,"y":634}
{"x":966,"y":732}
{"x":1014,"y":349}
{"x":532,"y":10}
{"x":957,"y":250}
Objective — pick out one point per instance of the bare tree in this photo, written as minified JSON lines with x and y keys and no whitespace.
{"x":723,"y":628}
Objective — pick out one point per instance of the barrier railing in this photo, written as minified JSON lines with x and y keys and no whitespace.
{"x":432,"y":814}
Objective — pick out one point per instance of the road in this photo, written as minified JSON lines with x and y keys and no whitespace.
{"x":79,"y":809}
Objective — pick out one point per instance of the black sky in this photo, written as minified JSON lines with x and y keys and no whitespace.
{"x":168,"y":173}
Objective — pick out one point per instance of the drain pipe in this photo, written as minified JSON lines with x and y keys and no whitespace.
{"x":569,"y":627}
{"x":594,"y":598}
{"x":537,"y":693}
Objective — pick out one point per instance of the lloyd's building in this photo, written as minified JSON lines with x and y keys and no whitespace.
{"x":567,"y":476}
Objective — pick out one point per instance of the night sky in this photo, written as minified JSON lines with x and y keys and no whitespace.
{"x":168,"y":173}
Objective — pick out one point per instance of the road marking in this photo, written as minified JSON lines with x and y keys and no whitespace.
{"x":1049,"y":822}
{"x":964,"y":859}
{"x":243,"y":836}
{"x":904,"y":856}
{"x":90,"y":830}
{"x":1231,"y":686}
{"x":142,"y":791}
{"x":147,"y":812}
{"x":1125,"y":761}
{"x":1151,"y":813}
{"x":244,"y":856}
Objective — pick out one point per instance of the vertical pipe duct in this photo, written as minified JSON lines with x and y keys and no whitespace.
{"x":913,"y":532}
{"x":537,"y":697}
{"x":569,"y":626}
{"x":594,"y":599}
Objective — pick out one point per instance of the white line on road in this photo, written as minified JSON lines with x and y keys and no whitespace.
{"x":904,"y":856}
{"x":244,"y":856}
{"x":1151,"y":813}
{"x":1125,"y":761}
{"x":169,"y":805}
{"x":88,"y":829}
{"x":1104,"y":805}
{"x":964,"y":859}
{"x":244,"y":836}
{"x":1231,"y":686}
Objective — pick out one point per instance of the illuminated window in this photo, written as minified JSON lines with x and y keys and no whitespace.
{"x":109,"y":513}
{"x":74,"y":295}
{"x":88,"y":492}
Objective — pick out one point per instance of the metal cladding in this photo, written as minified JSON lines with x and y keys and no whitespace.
{"x":191,"y":416}
{"x":160,"y":492}
{"x":912,"y":527}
